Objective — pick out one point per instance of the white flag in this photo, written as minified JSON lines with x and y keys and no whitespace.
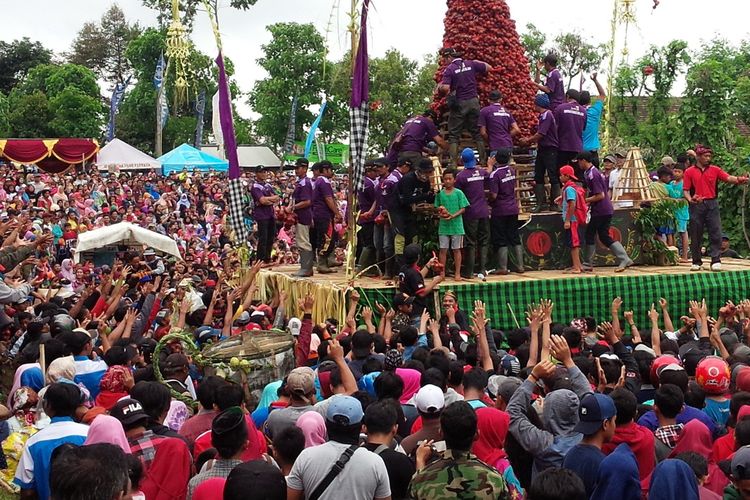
{"x":216,"y":124}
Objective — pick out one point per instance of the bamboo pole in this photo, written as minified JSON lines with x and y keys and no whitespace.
{"x":352,"y":195}
{"x":610,"y":79}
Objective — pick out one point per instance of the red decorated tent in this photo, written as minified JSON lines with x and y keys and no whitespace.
{"x":51,"y":155}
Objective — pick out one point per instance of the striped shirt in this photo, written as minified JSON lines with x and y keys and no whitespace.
{"x":33,"y":467}
{"x":89,"y":373}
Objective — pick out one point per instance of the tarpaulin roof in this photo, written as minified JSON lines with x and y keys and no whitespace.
{"x":186,"y":157}
{"x":51,"y":155}
{"x":119,"y":155}
{"x":128,"y":234}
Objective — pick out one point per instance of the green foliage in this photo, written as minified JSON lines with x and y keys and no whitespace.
{"x":17,"y":58}
{"x":294,"y":62}
{"x":101,"y":46}
{"x":188,"y":9}
{"x":30,"y":116}
{"x":76,"y":114}
{"x":576,"y":54}
{"x":533,"y":41}
{"x":648,"y":221}
{"x":4,"y":115}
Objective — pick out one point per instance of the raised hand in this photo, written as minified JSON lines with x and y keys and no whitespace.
{"x":380,"y":308}
{"x":367,"y":314}
{"x":663,"y":303}
{"x":542,"y":370}
{"x":653,"y":314}
{"x":307,"y":304}
{"x":616,"y":304}
{"x":559,"y":348}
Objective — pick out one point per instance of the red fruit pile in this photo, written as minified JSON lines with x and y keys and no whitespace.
{"x":483,"y":30}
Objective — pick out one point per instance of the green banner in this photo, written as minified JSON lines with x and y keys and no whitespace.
{"x":338,"y":154}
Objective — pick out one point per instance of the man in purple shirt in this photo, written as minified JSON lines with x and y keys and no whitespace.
{"x":476,"y":217}
{"x":601,"y":216}
{"x":325,"y":212}
{"x":399,"y":231}
{"x":554,"y":86}
{"x":382,"y":237}
{"x":460,"y":83}
{"x":571,"y":120}
{"x":366,"y":207}
{"x":546,"y":153}
{"x":302,"y":207}
{"x":414,"y":136}
{"x":504,"y":204}
{"x":497,"y":125}
{"x":264,"y":198}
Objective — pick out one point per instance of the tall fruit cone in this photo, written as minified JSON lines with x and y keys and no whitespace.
{"x":484,"y":30}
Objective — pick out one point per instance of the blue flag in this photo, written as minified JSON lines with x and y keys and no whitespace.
{"x":159,"y":73}
{"x":114,"y":104}
{"x":314,"y":128}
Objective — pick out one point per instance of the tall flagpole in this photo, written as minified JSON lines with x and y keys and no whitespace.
{"x":352,"y":198}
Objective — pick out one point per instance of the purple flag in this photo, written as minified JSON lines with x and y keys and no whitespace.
{"x":359,"y":111}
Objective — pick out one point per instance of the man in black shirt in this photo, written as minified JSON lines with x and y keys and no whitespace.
{"x":381,"y":424}
{"x":411,"y":279}
{"x":412,"y":189}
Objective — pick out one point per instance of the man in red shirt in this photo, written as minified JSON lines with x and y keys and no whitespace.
{"x":699,"y":188}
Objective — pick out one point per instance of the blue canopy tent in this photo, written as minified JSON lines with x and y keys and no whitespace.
{"x":186,"y":157}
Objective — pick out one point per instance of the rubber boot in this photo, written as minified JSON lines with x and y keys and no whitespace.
{"x":624,"y":260}
{"x":468,"y":264}
{"x":553,"y":195}
{"x":483,"y":259}
{"x":541,"y":198}
{"x":453,"y":152}
{"x":366,"y":259}
{"x":388,"y":268}
{"x":332,"y":262}
{"x":588,"y":257}
{"x":323,"y":265}
{"x":502,"y":261}
{"x":518,"y":258}
{"x":305,"y":264}
{"x":482,"y":152}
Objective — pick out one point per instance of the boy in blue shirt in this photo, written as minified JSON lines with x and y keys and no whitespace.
{"x":682,"y":214}
{"x":572,"y":231}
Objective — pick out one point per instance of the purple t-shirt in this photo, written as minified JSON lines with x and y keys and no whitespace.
{"x":461,"y":75}
{"x":571,"y":120}
{"x":262,"y":212}
{"x":416,"y":133}
{"x":321,"y":190}
{"x":388,"y":190}
{"x":366,"y":196}
{"x":498,"y":122}
{"x":548,"y":128}
{"x":471,"y":181}
{"x":503,"y":185}
{"x":303,"y":192}
{"x":557,"y":89}
{"x":596,"y":183}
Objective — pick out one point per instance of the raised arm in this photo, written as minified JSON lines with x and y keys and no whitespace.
{"x":336,"y":352}
{"x":653,"y":316}
{"x":668,"y":326}
{"x":616,"y":304}
{"x":547,"y":307}
{"x":533,"y":315}
{"x":480,"y":322}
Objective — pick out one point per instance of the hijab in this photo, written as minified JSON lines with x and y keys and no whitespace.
{"x":618,"y":477}
{"x":61,"y":370}
{"x":492,"y":425}
{"x":112,"y":386}
{"x":673,"y":480}
{"x":67,"y":271}
{"x":696,"y":437}
{"x":411,"y":380}
{"x":107,"y":429}
{"x":313,"y":427}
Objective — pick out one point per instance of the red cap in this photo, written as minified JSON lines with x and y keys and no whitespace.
{"x":743,"y":380}
{"x":210,"y":283}
{"x":568,"y":170}
{"x":266,"y":309}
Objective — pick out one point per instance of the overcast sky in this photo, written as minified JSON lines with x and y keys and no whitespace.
{"x":414,"y":27}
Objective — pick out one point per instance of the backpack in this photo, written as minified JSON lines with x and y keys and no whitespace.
{"x":582,"y":208}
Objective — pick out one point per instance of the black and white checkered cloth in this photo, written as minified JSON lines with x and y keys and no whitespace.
{"x":236,"y":217}
{"x":359,"y":118}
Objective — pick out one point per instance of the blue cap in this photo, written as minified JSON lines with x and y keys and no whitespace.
{"x":344,"y":410}
{"x":510,"y":366}
{"x":593,"y":411}
{"x":468,"y":158}
{"x":542,"y":100}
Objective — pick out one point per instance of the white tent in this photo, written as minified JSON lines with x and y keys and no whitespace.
{"x":249,"y":156}
{"x":118,"y":155}
{"x":127,"y":234}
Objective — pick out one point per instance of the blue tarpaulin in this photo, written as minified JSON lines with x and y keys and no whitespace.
{"x":186,"y":157}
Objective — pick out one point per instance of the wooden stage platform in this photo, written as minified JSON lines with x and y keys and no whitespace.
{"x":588,"y":294}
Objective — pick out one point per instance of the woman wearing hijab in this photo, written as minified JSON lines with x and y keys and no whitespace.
{"x":313,"y":427}
{"x":673,"y":480}
{"x":492,"y":427}
{"x":114,"y":385}
{"x":67,"y":270}
{"x":107,"y":429}
{"x":696,"y":437}
{"x":618,"y":477}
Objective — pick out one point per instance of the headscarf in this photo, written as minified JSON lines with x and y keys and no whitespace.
{"x":107,"y":429}
{"x":61,"y":370}
{"x":67,"y":271}
{"x":313,"y":427}
{"x":493,"y":426}
{"x":673,"y":480}
{"x":168,"y":475}
{"x":112,"y":386}
{"x":618,"y":476}
{"x":25,"y":400}
{"x":411,"y":378}
{"x":393,"y":360}
{"x":700,"y":149}
{"x":696,"y":437}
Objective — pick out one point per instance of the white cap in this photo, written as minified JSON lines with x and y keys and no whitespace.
{"x":294,"y":326}
{"x":430,"y":399}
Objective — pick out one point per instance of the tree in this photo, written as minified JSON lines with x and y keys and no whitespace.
{"x":101,"y":46}
{"x":576,"y":55}
{"x":17,"y":58}
{"x":4,"y":116}
{"x":30,"y":116}
{"x":188,"y":9}
{"x":294,"y":62}
{"x":533,"y":41}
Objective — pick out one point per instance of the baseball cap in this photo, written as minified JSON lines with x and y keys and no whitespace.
{"x":667,"y":160}
{"x":468,"y":158}
{"x":302,"y":162}
{"x":741,"y":464}
{"x":510,"y":366}
{"x":593,"y":411}
{"x":743,"y":379}
{"x":206,"y":332}
{"x":344,"y":410}
{"x":568,"y":170}
{"x":129,"y":412}
{"x":243,"y":319}
{"x":294,"y":326}
{"x":150,"y":251}
{"x":301,"y":382}
{"x":176,"y":360}
{"x":430,"y":399}
{"x":724,"y":236}
{"x":361,"y":343}
{"x":401,"y":299}
{"x":494,"y":383}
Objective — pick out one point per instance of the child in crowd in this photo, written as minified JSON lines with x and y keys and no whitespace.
{"x":570,"y":200}
{"x":682,"y":214}
{"x":660,"y":190}
{"x":451,"y":203}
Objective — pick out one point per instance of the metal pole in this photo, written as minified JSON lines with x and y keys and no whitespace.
{"x":610,"y":79}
